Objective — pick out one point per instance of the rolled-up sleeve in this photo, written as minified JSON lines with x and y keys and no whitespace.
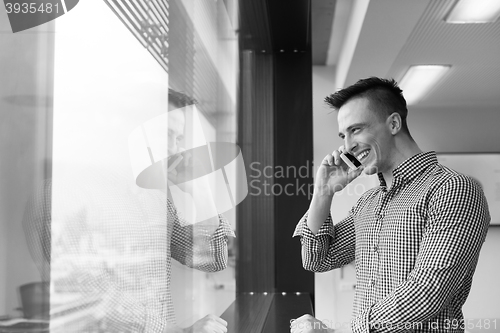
{"x":332,"y":247}
{"x":197,"y":247}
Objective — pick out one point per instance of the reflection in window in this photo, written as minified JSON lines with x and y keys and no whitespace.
{"x":102,"y":241}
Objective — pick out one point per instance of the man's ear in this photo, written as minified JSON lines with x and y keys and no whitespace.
{"x":394,"y":123}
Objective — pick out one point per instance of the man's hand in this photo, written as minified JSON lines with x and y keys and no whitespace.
{"x":208,"y":324}
{"x":187,"y":175}
{"x":181,"y":170}
{"x":308,"y":324}
{"x":333,"y":174}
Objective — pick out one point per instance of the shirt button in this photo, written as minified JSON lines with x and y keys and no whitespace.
{"x":375,"y":248}
{"x":372,"y":282}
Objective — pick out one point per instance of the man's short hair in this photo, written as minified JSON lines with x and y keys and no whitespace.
{"x":179,"y":100}
{"x":384,"y":95}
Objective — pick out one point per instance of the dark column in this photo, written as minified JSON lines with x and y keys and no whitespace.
{"x":275,"y":135}
{"x":293,"y":149}
{"x":255,"y":215}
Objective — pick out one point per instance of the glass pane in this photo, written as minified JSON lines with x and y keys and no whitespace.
{"x":119,"y":187}
{"x":26,"y":69}
{"x":203,"y":64}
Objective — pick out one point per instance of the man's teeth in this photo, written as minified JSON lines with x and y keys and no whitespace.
{"x":363,"y":155}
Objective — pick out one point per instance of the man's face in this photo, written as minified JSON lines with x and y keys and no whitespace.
{"x":366,"y":135}
{"x":176,"y":122}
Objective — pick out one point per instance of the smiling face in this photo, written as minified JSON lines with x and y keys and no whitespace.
{"x":366,"y":135}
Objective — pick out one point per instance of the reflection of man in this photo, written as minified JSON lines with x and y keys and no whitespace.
{"x":182,"y":166}
{"x":217,"y":227}
{"x":118,"y":241}
{"x":415,"y":239}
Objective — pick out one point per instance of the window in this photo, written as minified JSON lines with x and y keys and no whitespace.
{"x":80,"y":229}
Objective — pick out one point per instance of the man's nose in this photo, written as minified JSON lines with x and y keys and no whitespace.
{"x":349,"y":144}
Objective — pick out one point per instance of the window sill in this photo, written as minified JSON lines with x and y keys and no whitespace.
{"x":266,"y":312}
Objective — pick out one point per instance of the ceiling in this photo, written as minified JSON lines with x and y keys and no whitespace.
{"x":361,"y":38}
{"x":384,"y":37}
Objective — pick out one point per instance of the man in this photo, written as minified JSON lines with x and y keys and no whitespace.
{"x":415,"y":239}
{"x":93,"y":232}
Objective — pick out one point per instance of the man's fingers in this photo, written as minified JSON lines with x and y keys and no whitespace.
{"x":218,"y":324}
{"x":304,"y":317}
{"x":171,"y":178}
{"x":353,"y":174}
{"x":328,"y":160}
{"x":187,"y":159}
{"x":220,"y":320}
{"x":336,"y":156}
{"x":301,"y":324}
{"x":217,"y":320}
{"x":301,"y":319}
{"x":218,"y":327}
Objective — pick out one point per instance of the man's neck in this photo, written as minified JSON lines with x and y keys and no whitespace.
{"x":403,"y":150}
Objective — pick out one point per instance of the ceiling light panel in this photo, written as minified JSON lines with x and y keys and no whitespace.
{"x":474,"y":11}
{"x":418,"y":81}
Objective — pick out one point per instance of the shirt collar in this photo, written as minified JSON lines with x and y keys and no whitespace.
{"x":412,"y":167}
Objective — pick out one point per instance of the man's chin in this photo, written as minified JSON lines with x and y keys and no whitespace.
{"x":370,"y":170}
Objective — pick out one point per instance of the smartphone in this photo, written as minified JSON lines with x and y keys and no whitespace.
{"x":174,"y":161}
{"x":351,"y":161}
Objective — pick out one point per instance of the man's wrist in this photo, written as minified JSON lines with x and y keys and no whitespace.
{"x":323,"y":191}
{"x":323,"y":194}
{"x":318,"y":211}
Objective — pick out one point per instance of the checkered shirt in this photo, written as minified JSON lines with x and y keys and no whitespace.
{"x":139,"y":232}
{"x":415,"y":247}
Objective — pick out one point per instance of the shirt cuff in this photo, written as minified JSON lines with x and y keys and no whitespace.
{"x":224,"y":228}
{"x":302,"y":229}
{"x":222,"y":232}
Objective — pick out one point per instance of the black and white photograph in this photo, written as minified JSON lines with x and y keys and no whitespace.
{"x":249,"y":166}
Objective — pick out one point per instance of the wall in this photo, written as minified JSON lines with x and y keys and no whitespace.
{"x":465,"y":130}
{"x":456,"y":129}
{"x":443,"y":130}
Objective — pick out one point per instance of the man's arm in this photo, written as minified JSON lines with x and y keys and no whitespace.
{"x":202,"y":245}
{"x":456,"y":229}
{"x":198,"y":246}
{"x":319,"y":209}
{"x":325,"y":246}
{"x":333,"y":246}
